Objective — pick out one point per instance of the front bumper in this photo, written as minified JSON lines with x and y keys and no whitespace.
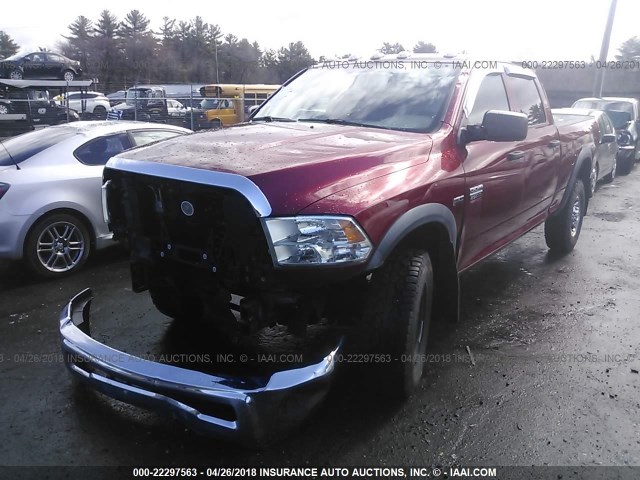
{"x":253,"y":411}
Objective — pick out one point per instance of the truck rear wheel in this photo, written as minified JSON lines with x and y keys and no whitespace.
{"x":561,"y":231}
{"x":400,"y":308}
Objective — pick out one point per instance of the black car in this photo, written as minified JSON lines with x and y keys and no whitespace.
{"x":48,"y":65}
{"x":34,"y":107}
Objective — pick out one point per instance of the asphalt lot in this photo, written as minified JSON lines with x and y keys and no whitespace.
{"x":555,"y":382}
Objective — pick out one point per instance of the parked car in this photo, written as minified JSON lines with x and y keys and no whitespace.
{"x":94,"y":103}
{"x":33,"y":106}
{"x":40,"y":65}
{"x":351,"y":198}
{"x":117,"y":97}
{"x":625,"y":115}
{"x":604,"y":133}
{"x":50,"y":200}
{"x":177,"y":109}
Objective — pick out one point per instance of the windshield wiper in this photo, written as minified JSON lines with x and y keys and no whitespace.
{"x":339,"y":121}
{"x":268,"y":118}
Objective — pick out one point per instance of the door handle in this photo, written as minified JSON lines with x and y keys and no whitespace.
{"x":517,"y":155}
{"x":554,"y":144}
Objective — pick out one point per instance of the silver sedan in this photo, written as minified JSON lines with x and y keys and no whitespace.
{"x":50,"y":190}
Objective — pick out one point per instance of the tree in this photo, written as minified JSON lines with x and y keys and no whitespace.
{"x":108,"y":58}
{"x":630,"y":49}
{"x":422,"y":47}
{"x":389,"y":49}
{"x":139,"y":45}
{"x":79,"y":42}
{"x":292,"y":59}
{"x":7,"y":46}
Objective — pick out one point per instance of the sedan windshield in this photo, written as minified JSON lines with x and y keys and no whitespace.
{"x":396,"y":98}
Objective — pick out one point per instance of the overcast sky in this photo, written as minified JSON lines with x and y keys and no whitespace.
{"x":487,"y":29}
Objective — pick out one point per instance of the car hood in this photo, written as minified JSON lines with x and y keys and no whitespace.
{"x":294,"y":164}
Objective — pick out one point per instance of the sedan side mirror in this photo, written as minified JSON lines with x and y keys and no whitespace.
{"x":608,"y":138}
{"x":499,"y":126}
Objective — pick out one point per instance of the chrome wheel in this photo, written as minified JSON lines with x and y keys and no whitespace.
{"x":15,"y":75}
{"x":68,"y":76}
{"x":576,"y":216}
{"x":60,"y":247}
{"x":3,"y":109}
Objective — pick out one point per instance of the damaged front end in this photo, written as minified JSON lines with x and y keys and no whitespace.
{"x":253,"y":411}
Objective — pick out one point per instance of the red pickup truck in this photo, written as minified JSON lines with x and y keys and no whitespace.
{"x":358,"y":190}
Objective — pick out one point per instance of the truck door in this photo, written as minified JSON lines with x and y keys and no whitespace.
{"x":494,"y":176}
{"x":541,"y":148}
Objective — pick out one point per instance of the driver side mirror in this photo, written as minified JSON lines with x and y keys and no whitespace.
{"x":498,"y":126}
{"x":608,"y":138}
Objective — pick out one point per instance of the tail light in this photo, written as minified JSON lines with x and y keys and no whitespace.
{"x":4,"y":188}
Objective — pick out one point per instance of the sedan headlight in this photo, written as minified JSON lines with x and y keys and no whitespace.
{"x":317,"y":240}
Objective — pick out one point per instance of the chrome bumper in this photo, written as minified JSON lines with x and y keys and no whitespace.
{"x":249,"y":410}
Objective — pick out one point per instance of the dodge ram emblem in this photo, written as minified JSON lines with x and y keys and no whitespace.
{"x":187,"y":208}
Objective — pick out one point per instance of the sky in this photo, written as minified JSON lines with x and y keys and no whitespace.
{"x":485,"y":29}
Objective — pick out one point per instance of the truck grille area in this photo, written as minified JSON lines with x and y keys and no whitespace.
{"x":171,"y":222}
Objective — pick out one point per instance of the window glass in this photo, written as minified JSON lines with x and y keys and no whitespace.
{"x":28,"y":144}
{"x":401,"y":97}
{"x":52,"y":57}
{"x":526,"y":99}
{"x":98,"y":151}
{"x":491,"y":96}
{"x":142,"y":137}
{"x":608,"y":126}
{"x":36,"y":57}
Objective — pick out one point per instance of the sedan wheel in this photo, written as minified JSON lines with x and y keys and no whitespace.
{"x":15,"y":75}
{"x":57,"y":245}
{"x":3,"y":110}
{"x":68,"y":76}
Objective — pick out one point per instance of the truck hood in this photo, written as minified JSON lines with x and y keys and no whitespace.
{"x":294,"y":164}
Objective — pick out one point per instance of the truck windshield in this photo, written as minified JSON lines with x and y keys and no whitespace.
{"x":140,"y":93}
{"x":397,"y":98}
{"x":209,"y":103}
{"x":28,"y":144}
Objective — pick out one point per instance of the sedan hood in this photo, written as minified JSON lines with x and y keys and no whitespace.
{"x":294,"y":164}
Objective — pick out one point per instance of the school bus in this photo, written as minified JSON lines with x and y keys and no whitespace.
{"x":228,"y":104}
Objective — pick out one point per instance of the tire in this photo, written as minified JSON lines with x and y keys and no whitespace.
{"x":3,"y":109}
{"x":216,"y":124}
{"x":16,"y":75}
{"x":612,"y":174}
{"x":57,"y":245}
{"x":593,"y":180}
{"x":399,"y":307}
{"x":625,"y":165}
{"x":68,"y":76}
{"x":100,"y":111}
{"x":562,"y":230}
{"x":173,"y":302}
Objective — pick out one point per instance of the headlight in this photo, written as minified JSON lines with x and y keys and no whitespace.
{"x":317,"y":240}
{"x":624,"y":138}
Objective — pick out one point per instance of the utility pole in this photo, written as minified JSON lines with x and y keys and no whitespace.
{"x":604,"y":50}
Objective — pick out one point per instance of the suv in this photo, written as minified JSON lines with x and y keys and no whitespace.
{"x":94,"y":103}
{"x":34,"y":107}
{"x":353,"y":198}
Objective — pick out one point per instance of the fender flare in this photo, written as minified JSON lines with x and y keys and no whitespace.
{"x":409,"y":222}
{"x":585,"y":156}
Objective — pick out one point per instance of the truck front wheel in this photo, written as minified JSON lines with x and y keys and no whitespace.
{"x":400,"y":307}
{"x":173,"y":302}
{"x":561,"y":231}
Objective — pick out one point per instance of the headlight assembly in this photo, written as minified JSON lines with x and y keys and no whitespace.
{"x":317,"y":240}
